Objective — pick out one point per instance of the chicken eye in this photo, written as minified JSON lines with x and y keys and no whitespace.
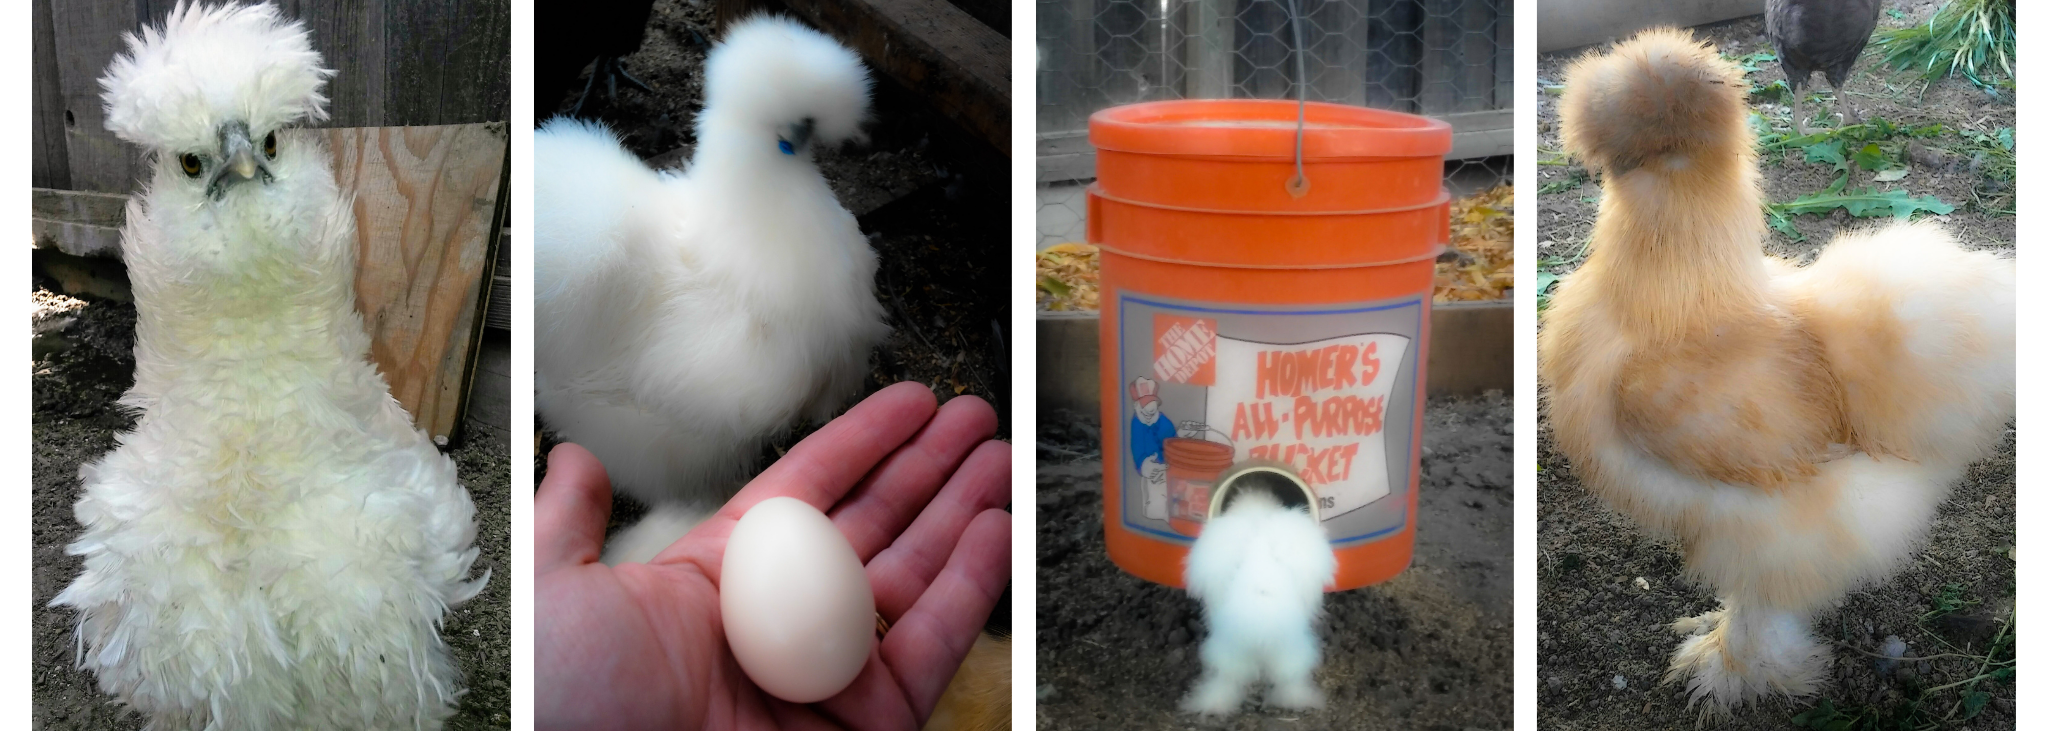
{"x":270,"y":145}
{"x":190,"y":163}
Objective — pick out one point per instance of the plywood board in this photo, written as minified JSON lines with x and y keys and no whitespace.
{"x":426,"y":200}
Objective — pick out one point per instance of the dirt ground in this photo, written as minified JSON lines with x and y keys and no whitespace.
{"x":1606,"y":591}
{"x":83,"y":362}
{"x":932,"y":200}
{"x":1430,"y":650}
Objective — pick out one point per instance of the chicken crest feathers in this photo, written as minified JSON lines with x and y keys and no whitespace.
{"x":771,"y":71}
{"x":1660,"y":93}
{"x":210,"y":64}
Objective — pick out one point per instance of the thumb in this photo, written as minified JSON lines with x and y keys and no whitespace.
{"x":570,"y":510}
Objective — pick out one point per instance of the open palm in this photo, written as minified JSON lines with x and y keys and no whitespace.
{"x":917,"y":491}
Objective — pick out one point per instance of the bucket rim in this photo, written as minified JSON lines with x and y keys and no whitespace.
{"x":1216,"y":128}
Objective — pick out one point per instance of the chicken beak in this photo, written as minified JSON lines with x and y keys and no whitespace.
{"x":798,"y":135}
{"x":241,"y":156}
{"x":238,"y":161}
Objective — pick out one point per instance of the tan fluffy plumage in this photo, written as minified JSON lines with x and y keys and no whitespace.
{"x":978,"y":698}
{"x":1793,"y":428}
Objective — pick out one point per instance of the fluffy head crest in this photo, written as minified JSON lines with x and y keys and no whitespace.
{"x":771,"y":72}
{"x":1660,"y":93}
{"x":208,"y":65}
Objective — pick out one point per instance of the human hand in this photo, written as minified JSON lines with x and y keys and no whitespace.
{"x":917,"y":494}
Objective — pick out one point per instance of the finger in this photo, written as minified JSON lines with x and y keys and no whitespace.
{"x":570,"y":509}
{"x":901,"y":572}
{"x":892,"y":495}
{"x":821,"y":468}
{"x":926,"y":646}
{"x":818,"y":470}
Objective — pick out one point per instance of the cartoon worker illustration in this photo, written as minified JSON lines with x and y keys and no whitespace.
{"x":1149,"y":432}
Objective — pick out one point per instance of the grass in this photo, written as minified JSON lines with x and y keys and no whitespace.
{"x":1968,"y":38}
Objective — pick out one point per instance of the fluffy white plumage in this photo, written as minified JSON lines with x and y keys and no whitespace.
{"x":1259,"y":570}
{"x":681,"y":320}
{"x":274,"y":545}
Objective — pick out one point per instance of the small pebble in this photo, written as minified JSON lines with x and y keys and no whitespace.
{"x":1642,"y":583}
{"x":1620,"y":683}
{"x":1893,"y":649}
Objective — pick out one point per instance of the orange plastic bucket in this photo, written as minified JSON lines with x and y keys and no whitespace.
{"x":1247,"y":320}
{"x":1192,"y":466}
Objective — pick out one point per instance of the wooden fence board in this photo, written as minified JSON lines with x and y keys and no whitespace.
{"x":397,"y":63}
{"x":426,"y":204}
{"x":51,"y":166}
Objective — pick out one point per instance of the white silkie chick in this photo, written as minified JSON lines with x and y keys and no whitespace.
{"x":682,"y":320}
{"x":274,"y":545}
{"x":1259,"y":570}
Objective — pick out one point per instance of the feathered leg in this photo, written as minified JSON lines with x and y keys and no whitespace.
{"x":1292,"y":670}
{"x":1226,"y":670}
{"x":1743,"y":652}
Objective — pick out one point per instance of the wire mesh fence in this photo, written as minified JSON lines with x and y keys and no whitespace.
{"x":1445,"y":58}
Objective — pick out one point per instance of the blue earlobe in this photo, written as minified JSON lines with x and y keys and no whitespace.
{"x":787,"y":149}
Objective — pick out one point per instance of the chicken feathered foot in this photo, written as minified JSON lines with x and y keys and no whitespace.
{"x":1743,"y":652}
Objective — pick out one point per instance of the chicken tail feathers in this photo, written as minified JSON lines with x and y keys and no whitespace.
{"x":1660,"y":94}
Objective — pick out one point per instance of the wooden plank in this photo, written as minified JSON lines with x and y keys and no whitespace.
{"x":426,"y":200}
{"x":450,"y":62}
{"x":489,"y":414}
{"x":960,"y":66}
{"x":498,"y":313}
{"x":351,"y":39}
{"x":86,"y":35}
{"x":396,"y":63}
{"x":51,"y":166}
{"x":78,"y":223}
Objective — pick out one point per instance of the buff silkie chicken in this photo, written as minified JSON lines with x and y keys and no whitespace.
{"x":682,"y":320}
{"x":1793,"y":428}
{"x":1259,"y":569}
{"x":274,"y":545}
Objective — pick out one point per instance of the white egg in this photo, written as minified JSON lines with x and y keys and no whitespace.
{"x":799,"y":613}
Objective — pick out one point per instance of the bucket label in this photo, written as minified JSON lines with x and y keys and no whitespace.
{"x":1329,"y":391}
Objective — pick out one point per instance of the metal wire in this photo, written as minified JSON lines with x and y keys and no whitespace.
{"x":1299,"y":185}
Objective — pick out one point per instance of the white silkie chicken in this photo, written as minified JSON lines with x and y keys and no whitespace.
{"x":1259,"y":570}
{"x":274,"y":545}
{"x":681,"y":320}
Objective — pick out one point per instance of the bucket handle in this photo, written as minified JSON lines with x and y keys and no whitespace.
{"x":1206,"y":429}
{"x":1298,"y":185}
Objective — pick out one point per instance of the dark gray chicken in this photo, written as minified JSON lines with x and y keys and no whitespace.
{"x":1818,"y":35}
